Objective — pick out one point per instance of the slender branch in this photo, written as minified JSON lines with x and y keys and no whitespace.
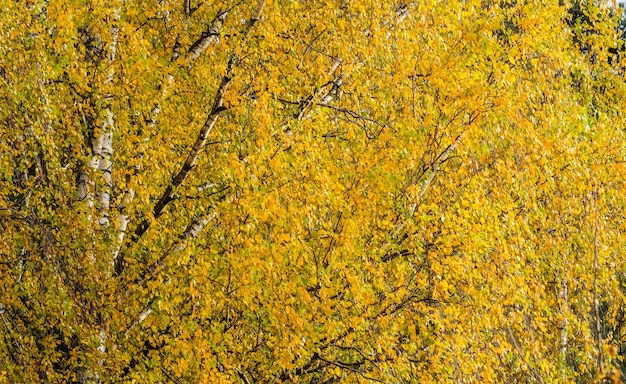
{"x":242,"y":376}
{"x":212,"y":34}
{"x":564,"y":310}
{"x":255,"y":17}
{"x":187,"y":8}
{"x":197,"y":48}
{"x":212,"y":118}
{"x":304,"y":369}
{"x":190,"y":233}
{"x":124,"y":220}
{"x":305,"y":104}
{"x":596,"y":303}
{"x":351,"y":113}
{"x":192,"y":157}
{"x":173,"y":378}
{"x":435,"y":168}
{"x":442,"y":159}
{"x":521,"y":354}
{"x":19,"y":345}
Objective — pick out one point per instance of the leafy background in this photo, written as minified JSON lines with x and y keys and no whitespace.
{"x":316,"y":192}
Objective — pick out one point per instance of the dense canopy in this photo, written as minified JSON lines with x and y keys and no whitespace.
{"x":267,"y":191}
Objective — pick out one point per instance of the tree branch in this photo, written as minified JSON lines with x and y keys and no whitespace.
{"x":216,"y":110}
{"x":212,"y":34}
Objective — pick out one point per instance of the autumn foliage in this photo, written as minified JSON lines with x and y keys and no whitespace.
{"x":312,"y":191}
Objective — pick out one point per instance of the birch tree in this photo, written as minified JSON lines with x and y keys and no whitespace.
{"x":296,"y":191}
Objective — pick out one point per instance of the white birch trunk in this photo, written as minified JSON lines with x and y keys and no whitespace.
{"x":102,"y":164}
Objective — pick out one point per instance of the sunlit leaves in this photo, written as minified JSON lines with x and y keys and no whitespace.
{"x":391,"y":191}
